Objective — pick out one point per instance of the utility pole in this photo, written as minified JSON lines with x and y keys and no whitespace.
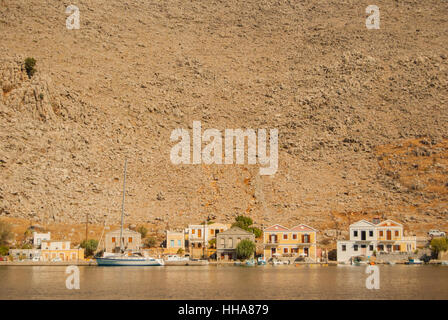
{"x":87,"y":226}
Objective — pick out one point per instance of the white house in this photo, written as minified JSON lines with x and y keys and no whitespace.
{"x":362,"y":241}
{"x":367,"y":238}
{"x":39,"y":237}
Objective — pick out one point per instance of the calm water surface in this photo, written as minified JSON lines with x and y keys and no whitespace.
{"x":224,"y":282}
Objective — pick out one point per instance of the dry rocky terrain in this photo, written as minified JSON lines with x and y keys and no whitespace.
{"x":362,"y":114}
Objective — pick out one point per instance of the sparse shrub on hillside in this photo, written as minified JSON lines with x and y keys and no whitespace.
{"x":143,"y":231}
{"x":245,"y":223}
{"x":150,"y":242}
{"x":5,"y":233}
{"x":30,"y":64}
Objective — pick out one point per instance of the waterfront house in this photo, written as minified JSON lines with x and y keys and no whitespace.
{"x":199,"y":235}
{"x":175,"y":241}
{"x":227,"y":241}
{"x":298,"y":241}
{"x":369,"y":238}
{"x":60,"y":250}
{"x":24,"y":254}
{"x":38,"y":237}
{"x":132,"y":240}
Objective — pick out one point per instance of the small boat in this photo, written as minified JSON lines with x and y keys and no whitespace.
{"x":444,"y":263}
{"x":133,"y":259}
{"x":391,"y":263}
{"x":261,"y":262}
{"x":276,"y":262}
{"x":414,"y":261}
{"x":250,"y":263}
{"x":358,"y":261}
{"x":175,"y":257}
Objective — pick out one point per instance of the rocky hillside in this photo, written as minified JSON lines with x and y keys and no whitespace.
{"x":362,"y":114}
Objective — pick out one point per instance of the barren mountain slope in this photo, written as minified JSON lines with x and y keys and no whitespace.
{"x":362,"y":114}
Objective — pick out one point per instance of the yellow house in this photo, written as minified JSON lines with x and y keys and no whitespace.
{"x":55,"y":250}
{"x":175,"y":241}
{"x":199,"y":236}
{"x":280,"y":241}
{"x":390,"y":238}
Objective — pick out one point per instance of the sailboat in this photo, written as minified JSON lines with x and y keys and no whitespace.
{"x":126,"y":258}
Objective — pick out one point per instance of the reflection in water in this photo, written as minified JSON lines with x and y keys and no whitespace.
{"x":225,"y":282}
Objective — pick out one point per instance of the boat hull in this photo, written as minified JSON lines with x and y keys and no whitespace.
{"x":127,"y":262}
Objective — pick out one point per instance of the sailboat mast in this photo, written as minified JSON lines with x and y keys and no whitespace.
{"x":122,"y":208}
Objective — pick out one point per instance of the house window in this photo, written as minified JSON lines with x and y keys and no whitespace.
{"x":223,"y":242}
{"x":199,"y":233}
{"x":344,"y":247}
{"x":179,"y":243}
{"x":130,"y":239}
{"x":306,"y":238}
{"x":212,"y":232}
{"x":355,"y":247}
{"x":371,"y":233}
{"x":381,"y":233}
{"x":285,"y":250}
{"x":355,"y":233}
{"x":230,"y":242}
{"x":396,"y":233}
{"x":193,"y":231}
{"x":113,"y":239}
{"x":172,"y":243}
{"x":371,"y":247}
{"x":285,"y":236}
{"x":397,"y":247}
{"x":294,"y":236}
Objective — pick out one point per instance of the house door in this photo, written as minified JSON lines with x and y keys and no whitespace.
{"x":363,"y":235}
{"x":305,"y":251}
{"x":389,"y":235}
{"x":363,"y":249}
{"x":273,"y":251}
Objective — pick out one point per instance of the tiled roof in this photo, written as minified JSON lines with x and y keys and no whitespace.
{"x":303,"y":227}
{"x":276,"y":227}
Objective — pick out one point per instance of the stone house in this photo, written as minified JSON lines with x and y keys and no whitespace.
{"x":227,"y":241}
{"x":132,"y":240}
{"x":175,"y":241}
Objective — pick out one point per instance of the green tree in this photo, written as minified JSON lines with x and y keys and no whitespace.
{"x":439,"y":245}
{"x":245,"y":249}
{"x":5,"y":233}
{"x":89,"y":246}
{"x":245,"y":223}
{"x":150,"y":242}
{"x":30,"y":64}
{"x":257,"y":232}
{"x":143,"y":231}
{"x":4,"y":250}
{"x":212,"y":243}
{"x":180,"y":251}
{"x":27,"y":246}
